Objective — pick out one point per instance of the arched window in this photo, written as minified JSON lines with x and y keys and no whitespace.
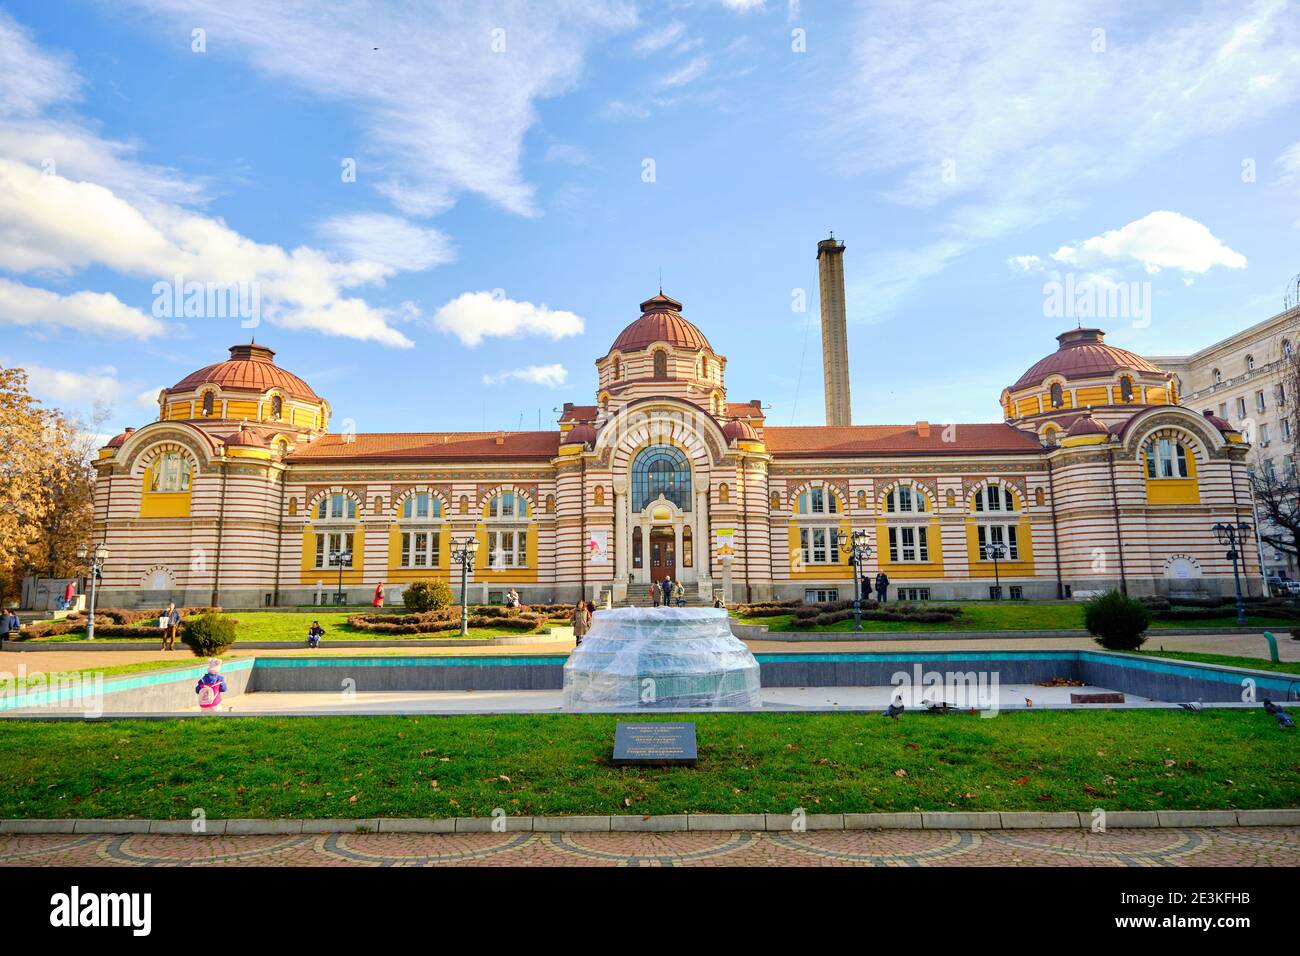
{"x":661,"y":364}
{"x":421,"y":504}
{"x":862,"y":501}
{"x":1039,"y":497}
{"x":1166,"y":458}
{"x":599,"y":497}
{"x":550,"y":504}
{"x":688,"y":556}
{"x":464,"y":504}
{"x":950,"y":499}
{"x":776,"y":501}
{"x":337,"y":506}
{"x":209,"y":403}
{"x":1057,"y":395}
{"x":636,"y":547}
{"x":1250,"y":363}
{"x":507,"y":504}
{"x":1126,"y":389}
{"x":277,"y":407}
{"x":994,"y":497}
{"x":293,"y":506}
{"x":616,"y":370}
{"x":1217,"y":376}
{"x":1051,"y":436}
{"x":818,"y":500}
{"x":724,"y":495}
{"x":904,"y":499}
{"x":661,"y":470}
{"x":170,"y":472}
{"x":282,"y":447}
{"x":1287,"y":350}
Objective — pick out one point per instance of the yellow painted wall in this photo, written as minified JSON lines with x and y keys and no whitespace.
{"x":179,"y":410}
{"x":162,"y":504}
{"x":398,"y":574}
{"x":353,"y":575}
{"x":242,"y":410}
{"x":910,"y":569}
{"x":488,"y":575}
{"x":1093,"y":396}
{"x":984,"y":569}
{"x":1174,"y":491}
{"x":843,"y":571}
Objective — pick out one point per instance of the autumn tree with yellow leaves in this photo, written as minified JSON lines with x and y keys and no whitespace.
{"x":46,"y":485}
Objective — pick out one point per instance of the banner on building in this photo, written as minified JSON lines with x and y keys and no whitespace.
{"x":598,"y":547}
{"x":726,"y":540}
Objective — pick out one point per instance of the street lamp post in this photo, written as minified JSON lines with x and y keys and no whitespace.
{"x":462,"y":552}
{"x":1233,"y":535}
{"x":859,"y":551}
{"x":341,"y":559}
{"x":95,"y":558}
{"x":997,"y":551}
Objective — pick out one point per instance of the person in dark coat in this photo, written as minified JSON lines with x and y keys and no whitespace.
{"x":667,"y":585}
{"x":882,"y":587}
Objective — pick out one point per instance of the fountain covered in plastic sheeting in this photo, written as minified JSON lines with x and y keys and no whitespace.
{"x":661,"y":658}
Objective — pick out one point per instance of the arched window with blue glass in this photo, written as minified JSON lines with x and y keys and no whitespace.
{"x":661,"y":470}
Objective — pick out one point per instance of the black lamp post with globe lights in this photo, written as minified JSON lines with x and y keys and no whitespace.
{"x":1233,"y":536}
{"x":997,"y":551}
{"x":95,"y":558}
{"x":859,"y":552}
{"x":463,"y":552}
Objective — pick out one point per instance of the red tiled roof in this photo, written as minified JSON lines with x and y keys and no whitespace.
{"x":661,"y":321}
{"x":579,"y":413}
{"x":580,"y":433}
{"x":744,"y":410}
{"x":432,"y":446}
{"x":853,"y":441}
{"x":249,"y":368}
{"x":1083,"y":353}
{"x":117,"y":441}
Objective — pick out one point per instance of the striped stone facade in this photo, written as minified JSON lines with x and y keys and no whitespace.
{"x":664,"y":474}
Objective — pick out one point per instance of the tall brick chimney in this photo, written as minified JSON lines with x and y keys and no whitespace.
{"x":835,"y":339}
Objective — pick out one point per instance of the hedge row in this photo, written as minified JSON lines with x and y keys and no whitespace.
{"x":448,"y":619}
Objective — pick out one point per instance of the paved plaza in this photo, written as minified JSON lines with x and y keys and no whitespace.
{"x":1183,"y":847}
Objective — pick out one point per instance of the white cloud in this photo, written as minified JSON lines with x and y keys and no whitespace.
{"x":568,"y":154}
{"x":1026,"y":263}
{"x":445,"y":100}
{"x":549,"y":376}
{"x":743,"y":6}
{"x":98,"y":313}
{"x":63,"y":386}
{"x":474,"y":316}
{"x":656,"y":40}
{"x":34,"y":80}
{"x":1289,"y":164}
{"x":1031,"y":119}
{"x":149,"y":398}
{"x":688,"y":73}
{"x":1159,"y":240}
{"x":388,"y":240}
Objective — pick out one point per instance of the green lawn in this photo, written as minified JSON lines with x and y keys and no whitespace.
{"x":292,"y":627}
{"x":1012,"y":616}
{"x":558,"y":764}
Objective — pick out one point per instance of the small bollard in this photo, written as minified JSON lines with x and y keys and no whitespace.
{"x":1272,"y":646}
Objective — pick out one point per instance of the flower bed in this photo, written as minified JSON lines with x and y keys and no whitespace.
{"x":521,"y":619}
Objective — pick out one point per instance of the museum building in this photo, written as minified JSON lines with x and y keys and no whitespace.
{"x":240,"y":495}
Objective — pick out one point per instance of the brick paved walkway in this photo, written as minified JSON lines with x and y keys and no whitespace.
{"x":1231,"y":846}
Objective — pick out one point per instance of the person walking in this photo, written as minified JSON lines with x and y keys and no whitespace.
{"x":171,"y":620}
{"x":379,"y":595}
{"x":69,"y":595}
{"x":882,"y":587}
{"x":668,"y":590}
{"x":581,"y":622}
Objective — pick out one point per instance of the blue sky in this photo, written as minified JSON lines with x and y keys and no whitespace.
{"x":503,"y":224}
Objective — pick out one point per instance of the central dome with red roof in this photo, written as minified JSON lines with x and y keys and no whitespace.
{"x":1083,"y":353}
{"x":661,"y":321}
{"x":250,"y":368}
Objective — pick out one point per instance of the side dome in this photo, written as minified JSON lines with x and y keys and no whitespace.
{"x":739,"y":430}
{"x":661,"y":321}
{"x":117,"y":441}
{"x":250,"y":368}
{"x":247,"y":438}
{"x":1083,"y":353}
{"x":1087,"y":425}
{"x":583,"y":434}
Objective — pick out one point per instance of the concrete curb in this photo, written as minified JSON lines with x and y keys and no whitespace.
{"x":108,"y":645}
{"x":753,"y":632}
{"x":680,"y":823}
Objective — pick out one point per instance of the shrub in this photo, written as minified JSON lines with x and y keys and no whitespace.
{"x":427,"y":595}
{"x":208,"y":634}
{"x":1118,"y":623}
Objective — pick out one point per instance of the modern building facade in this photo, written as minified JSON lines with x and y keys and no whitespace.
{"x":1243,"y":379}
{"x":239,"y":493}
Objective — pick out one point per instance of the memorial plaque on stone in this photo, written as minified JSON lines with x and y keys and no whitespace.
{"x":654,"y":744}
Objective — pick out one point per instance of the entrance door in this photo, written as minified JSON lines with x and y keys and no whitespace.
{"x":663,"y":554}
